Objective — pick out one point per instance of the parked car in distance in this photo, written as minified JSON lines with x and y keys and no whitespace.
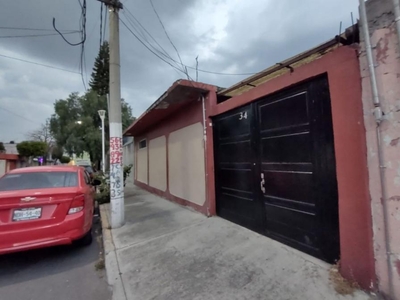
{"x":45,"y":206}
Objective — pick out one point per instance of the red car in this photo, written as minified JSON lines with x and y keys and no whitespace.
{"x":45,"y":206}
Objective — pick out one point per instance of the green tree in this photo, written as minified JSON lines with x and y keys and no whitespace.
{"x":31,"y":149}
{"x":57,"y":152}
{"x":65,"y":159}
{"x":101,"y":71}
{"x":2,"y":148}
{"x":76,"y":124}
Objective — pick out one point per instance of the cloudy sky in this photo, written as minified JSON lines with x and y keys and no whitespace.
{"x":228,"y":36}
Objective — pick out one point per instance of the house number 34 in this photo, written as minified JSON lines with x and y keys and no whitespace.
{"x":243,"y":115}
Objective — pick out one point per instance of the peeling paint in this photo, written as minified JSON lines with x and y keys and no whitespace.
{"x":387,"y":139}
{"x":382,"y":47}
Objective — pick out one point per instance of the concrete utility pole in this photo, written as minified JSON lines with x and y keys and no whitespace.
{"x":116,"y":161}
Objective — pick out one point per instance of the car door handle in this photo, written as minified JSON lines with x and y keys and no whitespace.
{"x":262,"y":183}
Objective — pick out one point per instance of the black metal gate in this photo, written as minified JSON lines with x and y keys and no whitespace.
{"x":275,"y":168}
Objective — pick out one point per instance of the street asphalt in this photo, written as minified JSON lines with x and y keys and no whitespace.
{"x":62,"y":273}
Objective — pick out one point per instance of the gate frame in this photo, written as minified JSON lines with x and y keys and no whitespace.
{"x":355,"y":224}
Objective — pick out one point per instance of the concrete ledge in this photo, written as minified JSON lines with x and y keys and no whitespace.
{"x":112,"y":268}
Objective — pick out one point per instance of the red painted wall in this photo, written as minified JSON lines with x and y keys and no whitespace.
{"x":342,"y":67}
{"x":11,"y":160}
{"x":190,"y":114}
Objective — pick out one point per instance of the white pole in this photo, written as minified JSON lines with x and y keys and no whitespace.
{"x":103,"y":148}
{"x":102,"y":114}
{"x":116,"y":156}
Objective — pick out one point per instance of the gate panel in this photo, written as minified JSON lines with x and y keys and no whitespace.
{"x":295,"y":140}
{"x":235,"y":163}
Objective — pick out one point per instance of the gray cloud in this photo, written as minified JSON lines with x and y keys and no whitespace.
{"x":229,"y":36}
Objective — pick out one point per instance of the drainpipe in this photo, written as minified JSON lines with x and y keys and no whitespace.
{"x":378,"y":118}
{"x":205,"y":151}
{"x":396,"y":9}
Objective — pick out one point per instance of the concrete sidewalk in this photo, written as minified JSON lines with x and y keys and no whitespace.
{"x":165,"y":251}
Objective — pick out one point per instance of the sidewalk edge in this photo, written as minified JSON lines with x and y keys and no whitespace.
{"x":112,"y":269}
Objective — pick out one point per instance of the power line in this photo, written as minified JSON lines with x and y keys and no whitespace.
{"x":38,"y":64}
{"x":11,"y":112}
{"x":33,"y":35}
{"x":32,"y":29}
{"x":173,"y":60}
{"x":140,"y":32}
{"x":105,"y":24}
{"x":167,"y":62}
{"x":101,"y":23}
{"x":83,"y":34}
{"x":82,"y":26}
{"x":166,"y":33}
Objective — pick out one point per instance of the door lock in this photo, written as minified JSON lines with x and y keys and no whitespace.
{"x":262,"y":183}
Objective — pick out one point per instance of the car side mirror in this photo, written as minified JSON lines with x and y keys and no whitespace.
{"x":96,"y":182}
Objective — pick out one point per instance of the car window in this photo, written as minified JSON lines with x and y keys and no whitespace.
{"x":87,"y":177}
{"x":38,"y":180}
{"x":89,"y":169}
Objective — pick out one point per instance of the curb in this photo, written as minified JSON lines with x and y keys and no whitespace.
{"x":114,"y":278}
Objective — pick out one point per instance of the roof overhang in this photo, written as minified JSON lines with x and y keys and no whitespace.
{"x":177,"y":96}
{"x":350,"y":36}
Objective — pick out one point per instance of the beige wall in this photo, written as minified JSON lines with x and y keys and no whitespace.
{"x":186,"y":164}
{"x":158,"y":163}
{"x":141,"y":165}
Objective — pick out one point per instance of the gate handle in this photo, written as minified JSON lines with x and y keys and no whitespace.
{"x":262,"y":183}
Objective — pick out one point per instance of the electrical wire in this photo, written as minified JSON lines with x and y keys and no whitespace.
{"x":148,"y":48}
{"x":101,"y":23}
{"x":39,"y":64}
{"x":143,"y":30}
{"x":62,"y":35}
{"x":140,"y":32}
{"x":166,"y":33}
{"x":83,"y":34}
{"x":167,"y":56}
{"x":15,"y":114}
{"x":82,"y":29}
{"x":32,"y":29}
{"x":33,"y":35}
{"x":105,"y":24}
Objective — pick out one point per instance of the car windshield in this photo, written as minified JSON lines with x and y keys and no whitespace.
{"x":38,"y":180}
